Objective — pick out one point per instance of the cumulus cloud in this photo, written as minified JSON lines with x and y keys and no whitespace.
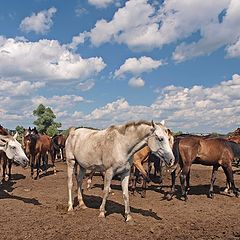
{"x":40,"y":22}
{"x":100,"y":3}
{"x":234,"y":49}
{"x":137,"y":66}
{"x":136,"y":82}
{"x":44,"y":60}
{"x":22,"y":88}
{"x":196,"y":109}
{"x":145,"y":25}
{"x":214,"y":34}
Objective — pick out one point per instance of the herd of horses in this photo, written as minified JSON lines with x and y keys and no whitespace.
{"x":122,"y":150}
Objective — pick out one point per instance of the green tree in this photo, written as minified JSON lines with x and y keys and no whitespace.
{"x":45,"y":120}
{"x":20,"y":130}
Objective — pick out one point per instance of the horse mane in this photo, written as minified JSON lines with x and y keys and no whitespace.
{"x":3,"y":131}
{"x":122,"y":128}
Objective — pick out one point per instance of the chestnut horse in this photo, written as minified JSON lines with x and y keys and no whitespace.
{"x":144,"y":155}
{"x":214,"y":152}
{"x":38,"y":147}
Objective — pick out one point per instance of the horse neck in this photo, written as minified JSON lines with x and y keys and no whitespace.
{"x":136,"y":134}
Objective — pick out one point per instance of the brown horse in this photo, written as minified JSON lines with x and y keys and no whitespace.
{"x":38,"y":147}
{"x":143,"y":156}
{"x":4,"y":161}
{"x":235,"y":139}
{"x":214,"y":152}
{"x":58,"y":143}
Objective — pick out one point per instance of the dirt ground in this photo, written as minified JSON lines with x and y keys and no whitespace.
{"x":37,"y":209}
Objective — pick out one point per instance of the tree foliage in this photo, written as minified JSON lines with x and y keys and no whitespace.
{"x":20,"y":129}
{"x":45,"y":120}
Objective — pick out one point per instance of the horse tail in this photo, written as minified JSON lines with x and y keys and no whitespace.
{"x":54,"y":144}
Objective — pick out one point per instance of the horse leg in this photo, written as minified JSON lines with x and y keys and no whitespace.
{"x":9,"y":168}
{"x":38,"y":161}
{"x":70,"y":167}
{"x":107,"y":182}
{"x":133,"y":179}
{"x":188,"y":182}
{"x":213,"y":178}
{"x":229,"y":174}
{"x":4,"y":168}
{"x":160,"y":171}
{"x":32,"y":162}
{"x":79,"y":179}
{"x":144,"y":187}
{"x":183,"y":175}
{"x":53,"y":162}
{"x":89,"y":179}
{"x":45,"y":163}
{"x":124,"y":183}
{"x":169,"y":196}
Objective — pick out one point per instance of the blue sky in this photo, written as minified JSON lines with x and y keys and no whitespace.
{"x":103,"y":62}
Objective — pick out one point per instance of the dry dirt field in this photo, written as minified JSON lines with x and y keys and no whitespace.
{"x":37,"y":209}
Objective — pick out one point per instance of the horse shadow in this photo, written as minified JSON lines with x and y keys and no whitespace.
{"x":112,"y":207}
{"x":6,"y":189}
{"x":196,"y":190}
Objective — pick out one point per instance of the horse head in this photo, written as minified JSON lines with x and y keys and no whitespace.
{"x":13,"y":149}
{"x":160,"y":142}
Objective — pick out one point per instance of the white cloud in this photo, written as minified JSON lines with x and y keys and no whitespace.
{"x":85,"y":86}
{"x":196,"y":109}
{"x":39,"y":23}
{"x":136,"y":82}
{"x":137,"y":66}
{"x":234,"y":50}
{"x":145,"y":26}
{"x":22,"y":88}
{"x":59,"y":102}
{"x":214,"y":34}
{"x":101,"y":3}
{"x":45,"y":60}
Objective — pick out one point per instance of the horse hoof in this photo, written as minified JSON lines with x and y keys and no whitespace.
{"x":83,"y":206}
{"x":70,"y":209}
{"x":101,"y":215}
{"x":210,"y":195}
{"x":169,"y":196}
{"x":129,"y":218}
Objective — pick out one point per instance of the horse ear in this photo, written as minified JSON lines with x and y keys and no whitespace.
{"x":29,"y":129}
{"x":153,"y":124}
{"x":15,"y":135}
{"x":163,"y":122}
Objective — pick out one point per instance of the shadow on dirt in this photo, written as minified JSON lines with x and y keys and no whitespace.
{"x":6,"y":189}
{"x":113,"y":207}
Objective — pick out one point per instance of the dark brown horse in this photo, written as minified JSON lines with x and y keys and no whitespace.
{"x":214,"y":152}
{"x":38,"y":147}
{"x":4,"y":161}
{"x":58,"y":143}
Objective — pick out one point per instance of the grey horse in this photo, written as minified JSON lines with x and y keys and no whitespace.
{"x":110,"y":150}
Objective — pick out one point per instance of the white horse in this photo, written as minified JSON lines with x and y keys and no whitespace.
{"x":13,"y":149}
{"x":110,"y":150}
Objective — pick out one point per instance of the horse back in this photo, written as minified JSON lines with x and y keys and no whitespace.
{"x":215,"y":150}
{"x":44,"y":143}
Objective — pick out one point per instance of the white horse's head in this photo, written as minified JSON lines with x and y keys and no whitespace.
{"x":160,"y":142}
{"x":13,"y":149}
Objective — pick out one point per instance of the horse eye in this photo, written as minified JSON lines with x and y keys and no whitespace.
{"x":160,"y":139}
{"x":13,"y":147}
